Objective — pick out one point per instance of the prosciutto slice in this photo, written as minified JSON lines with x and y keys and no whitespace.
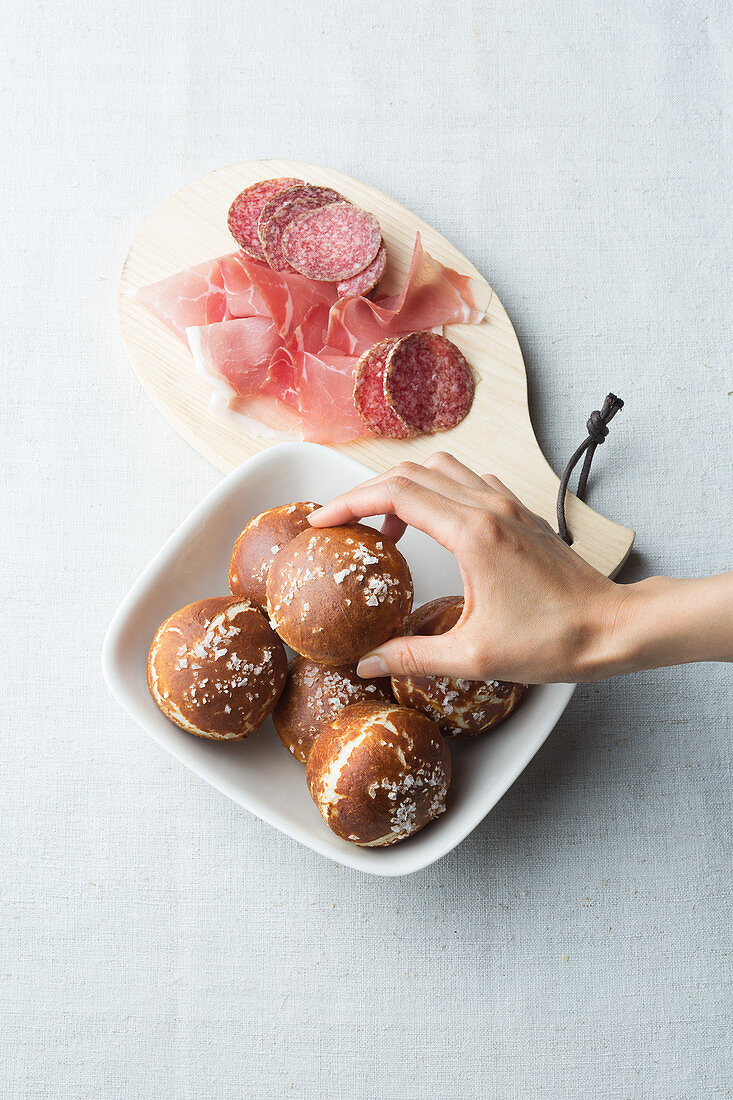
{"x":432,"y":295}
{"x":325,"y":384}
{"x":235,"y":355}
{"x":310,"y":334}
{"x":293,"y":392}
{"x":282,"y":378}
{"x":320,"y":388}
{"x":252,"y":289}
{"x":260,"y":414}
{"x":194,"y":296}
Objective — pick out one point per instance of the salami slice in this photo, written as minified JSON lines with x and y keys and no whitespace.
{"x":280,"y":210}
{"x":245,"y":211}
{"x":365,"y":282}
{"x":428,"y":382}
{"x":333,"y":242}
{"x":369,"y":398}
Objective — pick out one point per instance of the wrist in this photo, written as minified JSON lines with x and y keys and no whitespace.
{"x":660,"y":621}
{"x":639,"y":626}
{"x":608,"y":638}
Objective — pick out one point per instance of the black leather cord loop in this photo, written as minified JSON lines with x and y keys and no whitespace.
{"x":597,"y":428}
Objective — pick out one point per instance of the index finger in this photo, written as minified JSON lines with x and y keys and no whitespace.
{"x":423,"y":508}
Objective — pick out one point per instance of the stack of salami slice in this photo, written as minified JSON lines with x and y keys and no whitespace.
{"x":413,"y":385}
{"x":297,"y":227}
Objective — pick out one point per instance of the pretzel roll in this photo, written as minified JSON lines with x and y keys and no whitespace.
{"x":462,"y":708}
{"x":216,"y":668}
{"x":378,"y":773}
{"x":259,"y":544}
{"x":336,"y":592}
{"x":313,"y":696}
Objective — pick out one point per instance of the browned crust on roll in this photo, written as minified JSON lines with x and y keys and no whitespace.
{"x":334,"y":593}
{"x":259,"y":544}
{"x":378,"y":773}
{"x":216,"y":668}
{"x":313,"y":696}
{"x":462,"y":708}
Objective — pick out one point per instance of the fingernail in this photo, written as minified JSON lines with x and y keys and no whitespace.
{"x":371,"y":665}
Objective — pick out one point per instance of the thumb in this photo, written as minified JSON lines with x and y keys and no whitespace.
{"x":436,"y":655}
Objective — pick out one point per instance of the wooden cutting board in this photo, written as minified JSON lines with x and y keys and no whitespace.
{"x":495,"y":437}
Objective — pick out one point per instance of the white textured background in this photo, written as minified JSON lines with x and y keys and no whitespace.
{"x":156,"y":940}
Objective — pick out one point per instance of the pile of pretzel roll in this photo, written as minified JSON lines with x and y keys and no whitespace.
{"x":377,"y":761}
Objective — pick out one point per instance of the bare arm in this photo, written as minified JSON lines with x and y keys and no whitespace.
{"x":534,"y":612}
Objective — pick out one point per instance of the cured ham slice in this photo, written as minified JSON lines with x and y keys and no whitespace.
{"x":432,"y":295}
{"x":293,"y":392}
{"x":326,"y":391}
{"x":194,"y":296}
{"x":310,"y":335}
{"x":326,"y":384}
{"x":235,"y":355}
{"x":252,"y":289}
{"x":321,"y":389}
{"x":260,"y":414}
{"x":282,"y":378}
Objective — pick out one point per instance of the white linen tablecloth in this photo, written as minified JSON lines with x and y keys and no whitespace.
{"x":156,"y":940}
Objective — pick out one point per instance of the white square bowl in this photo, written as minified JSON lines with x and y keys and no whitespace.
{"x":258,"y":772}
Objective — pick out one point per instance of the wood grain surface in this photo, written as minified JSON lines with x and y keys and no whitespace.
{"x":496,"y":436}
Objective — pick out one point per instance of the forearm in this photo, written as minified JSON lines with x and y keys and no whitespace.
{"x":664,"y":621}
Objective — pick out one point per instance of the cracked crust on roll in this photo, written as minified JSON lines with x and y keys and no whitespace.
{"x":462,"y":708}
{"x":379,"y":773}
{"x":313,"y":696}
{"x":334,"y":593}
{"x":258,"y":545}
{"x":216,"y":668}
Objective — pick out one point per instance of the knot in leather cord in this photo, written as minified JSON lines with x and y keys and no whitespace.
{"x":597,"y":428}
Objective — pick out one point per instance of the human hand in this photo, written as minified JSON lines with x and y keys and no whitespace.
{"x":534,"y":611}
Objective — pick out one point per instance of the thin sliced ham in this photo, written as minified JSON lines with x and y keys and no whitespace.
{"x":310,"y":334}
{"x":194,"y":296}
{"x":252,"y":288}
{"x":282,"y":378}
{"x":260,"y":414}
{"x":326,"y":391}
{"x":294,"y":393}
{"x":235,"y":355}
{"x":432,"y":295}
{"x":321,"y":389}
